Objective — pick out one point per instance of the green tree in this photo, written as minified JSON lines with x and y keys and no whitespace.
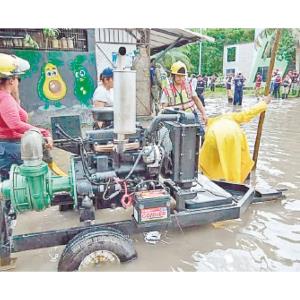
{"x":288,"y":41}
{"x":287,"y":46}
{"x":174,"y":55}
{"x":212,"y":52}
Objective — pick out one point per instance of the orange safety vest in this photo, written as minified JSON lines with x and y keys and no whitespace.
{"x":181,"y":100}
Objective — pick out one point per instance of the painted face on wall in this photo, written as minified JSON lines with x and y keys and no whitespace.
{"x":84,"y":85}
{"x":54,"y":87}
{"x":81,"y":74}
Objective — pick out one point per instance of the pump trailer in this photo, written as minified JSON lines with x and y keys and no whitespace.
{"x":152,"y":171}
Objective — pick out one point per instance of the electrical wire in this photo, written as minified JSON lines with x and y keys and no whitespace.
{"x":149,"y":181}
{"x":67,"y":135}
{"x":137,"y":161}
{"x":106,"y":189}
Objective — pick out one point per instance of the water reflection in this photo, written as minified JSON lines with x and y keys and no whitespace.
{"x":268,"y":237}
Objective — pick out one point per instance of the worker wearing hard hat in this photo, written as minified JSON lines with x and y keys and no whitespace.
{"x":180,"y":94}
{"x":225,"y":152}
{"x":13,"y":118}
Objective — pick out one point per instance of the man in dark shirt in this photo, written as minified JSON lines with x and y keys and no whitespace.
{"x":205,"y":78}
{"x":238,"y":89}
{"x":200,"y":88}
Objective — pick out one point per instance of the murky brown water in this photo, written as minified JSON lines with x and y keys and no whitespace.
{"x":266,"y":238}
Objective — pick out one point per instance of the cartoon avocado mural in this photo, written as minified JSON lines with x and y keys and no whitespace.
{"x":51,"y":86}
{"x":83,"y":82}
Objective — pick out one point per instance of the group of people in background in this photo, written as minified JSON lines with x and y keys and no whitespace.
{"x":200,"y":83}
{"x":232,"y":82}
{"x":282,"y":86}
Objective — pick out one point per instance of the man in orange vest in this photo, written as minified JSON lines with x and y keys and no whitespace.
{"x":180,"y":94}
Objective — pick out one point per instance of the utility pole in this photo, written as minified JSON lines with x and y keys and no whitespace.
{"x":200,"y":54}
{"x":267,"y":91}
{"x":200,"y":58}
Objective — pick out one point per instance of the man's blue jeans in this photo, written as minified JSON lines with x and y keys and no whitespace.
{"x":276,"y":90}
{"x":10,"y":153}
{"x":238,"y":96}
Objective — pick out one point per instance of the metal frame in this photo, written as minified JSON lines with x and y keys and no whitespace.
{"x":187,"y":218}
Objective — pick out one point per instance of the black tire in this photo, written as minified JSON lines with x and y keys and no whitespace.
{"x":93,"y":240}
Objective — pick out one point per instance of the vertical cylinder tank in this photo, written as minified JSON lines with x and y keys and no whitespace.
{"x":124,"y":101}
{"x":124,"y":97}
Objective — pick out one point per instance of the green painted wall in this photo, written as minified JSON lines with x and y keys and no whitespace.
{"x":76,"y":69}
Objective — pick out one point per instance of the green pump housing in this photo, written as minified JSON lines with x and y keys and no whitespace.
{"x":33,"y":187}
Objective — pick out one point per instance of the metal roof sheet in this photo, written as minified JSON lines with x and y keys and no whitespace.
{"x":162,"y":38}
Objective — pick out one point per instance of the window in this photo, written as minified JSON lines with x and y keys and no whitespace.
{"x":230,"y":71}
{"x":231,"y":53}
{"x":263,"y":72}
{"x":61,"y":39}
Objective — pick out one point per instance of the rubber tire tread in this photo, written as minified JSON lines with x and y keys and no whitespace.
{"x":84,"y":243}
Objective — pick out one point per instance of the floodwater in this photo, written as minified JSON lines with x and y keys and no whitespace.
{"x":266,"y":238}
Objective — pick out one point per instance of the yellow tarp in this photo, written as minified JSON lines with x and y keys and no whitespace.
{"x":225,"y":152}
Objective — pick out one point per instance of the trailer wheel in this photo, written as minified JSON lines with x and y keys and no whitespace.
{"x":96,"y":247}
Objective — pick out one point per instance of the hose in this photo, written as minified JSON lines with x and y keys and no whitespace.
{"x":127,"y":199}
{"x":160,"y":118}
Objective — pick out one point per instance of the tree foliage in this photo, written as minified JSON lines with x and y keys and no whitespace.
{"x":174,"y":55}
{"x":212,"y":53}
{"x":287,"y":46}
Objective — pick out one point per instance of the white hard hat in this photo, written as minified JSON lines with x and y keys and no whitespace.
{"x":11,"y":65}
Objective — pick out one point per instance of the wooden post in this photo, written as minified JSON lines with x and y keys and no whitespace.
{"x":266,"y":92}
{"x":142,"y":67}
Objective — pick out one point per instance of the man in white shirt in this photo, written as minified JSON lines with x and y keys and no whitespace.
{"x":194,"y":82}
{"x":103,"y":95}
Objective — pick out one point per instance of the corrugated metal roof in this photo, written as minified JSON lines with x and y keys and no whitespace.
{"x":162,"y":38}
{"x":159,"y":39}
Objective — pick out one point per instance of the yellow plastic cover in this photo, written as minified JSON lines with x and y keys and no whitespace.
{"x":225,"y":152}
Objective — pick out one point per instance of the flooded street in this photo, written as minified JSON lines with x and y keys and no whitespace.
{"x":266,"y":238}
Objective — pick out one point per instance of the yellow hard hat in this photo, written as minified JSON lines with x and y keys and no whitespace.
{"x":11,"y":65}
{"x":179,"y":68}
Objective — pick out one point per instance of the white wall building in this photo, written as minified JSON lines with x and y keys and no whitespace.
{"x":239,"y":58}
